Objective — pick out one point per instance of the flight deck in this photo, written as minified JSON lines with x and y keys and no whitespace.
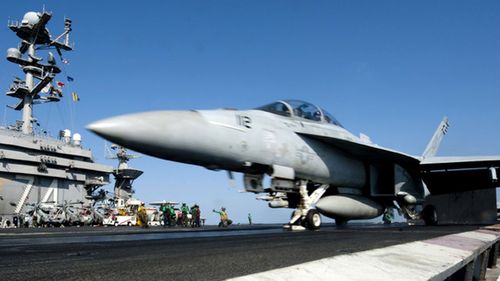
{"x":212,"y":253}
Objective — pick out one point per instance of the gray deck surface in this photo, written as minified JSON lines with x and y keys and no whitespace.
{"x":181,"y":254}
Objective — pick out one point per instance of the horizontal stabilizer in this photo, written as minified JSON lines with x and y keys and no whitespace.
{"x":457,"y":174}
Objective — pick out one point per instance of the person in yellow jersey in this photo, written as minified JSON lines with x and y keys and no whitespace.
{"x":143,"y":216}
{"x":224,"y":218}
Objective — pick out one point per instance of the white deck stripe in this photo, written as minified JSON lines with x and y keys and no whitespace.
{"x":433,"y":259}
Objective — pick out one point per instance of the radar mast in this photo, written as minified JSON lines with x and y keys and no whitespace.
{"x":35,"y":36}
{"x":124,"y":175}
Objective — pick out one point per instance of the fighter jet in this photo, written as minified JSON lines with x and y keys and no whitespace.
{"x":314,"y":164}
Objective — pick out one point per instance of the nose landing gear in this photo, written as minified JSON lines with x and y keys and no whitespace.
{"x":305,"y":216}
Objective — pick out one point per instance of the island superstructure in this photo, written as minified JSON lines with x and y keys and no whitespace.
{"x":35,"y":167}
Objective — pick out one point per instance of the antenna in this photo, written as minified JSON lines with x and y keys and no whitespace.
{"x":108,"y":154}
{"x":121,"y":154}
{"x":34,"y":36}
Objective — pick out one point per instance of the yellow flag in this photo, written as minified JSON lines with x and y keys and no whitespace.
{"x":75,"y":96}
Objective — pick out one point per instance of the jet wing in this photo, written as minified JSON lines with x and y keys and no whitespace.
{"x":440,"y":174}
{"x":365,"y":151}
{"x":455,"y":174}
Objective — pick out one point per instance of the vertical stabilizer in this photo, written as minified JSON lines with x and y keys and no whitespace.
{"x":434,"y":143}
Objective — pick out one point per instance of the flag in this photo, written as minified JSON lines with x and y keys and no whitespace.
{"x":70,"y":79}
{"x":75,"y":96}
{"x":65,"y":61}
{"x":60,"y":84}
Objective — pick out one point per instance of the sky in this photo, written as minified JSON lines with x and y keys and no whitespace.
{"x":388,"y":69}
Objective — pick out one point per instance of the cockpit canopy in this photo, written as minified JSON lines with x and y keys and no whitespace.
{"x":300,"y":109}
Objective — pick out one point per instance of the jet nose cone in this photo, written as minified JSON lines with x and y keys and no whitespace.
{"x":151,"y":133}
{"x":131,"y":131}
{"x":99,"y":127}
{"x":112,"y":129}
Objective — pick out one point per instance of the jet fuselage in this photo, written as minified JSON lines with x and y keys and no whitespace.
{"x":239,"y":141}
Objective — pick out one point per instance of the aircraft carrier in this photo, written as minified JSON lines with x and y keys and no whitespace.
{"x":34,"y":167}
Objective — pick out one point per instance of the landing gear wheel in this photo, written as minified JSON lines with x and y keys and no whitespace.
{"x":429,"y":214}
{"x":313,"y":219}
{"x":304,"y":216}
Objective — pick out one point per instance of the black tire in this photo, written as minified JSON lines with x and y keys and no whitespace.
{"x":313,"y":220}
{"x":340,"y":222}
{"x":429,"y":214}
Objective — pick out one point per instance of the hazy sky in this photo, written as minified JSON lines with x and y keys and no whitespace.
{"x":388,"y":69}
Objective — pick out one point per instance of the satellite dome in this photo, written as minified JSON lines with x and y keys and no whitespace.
{"x":67,"y":133}
{"x":31,"y":18}
{"x":13,"y":53}
{"x":77,"y":139}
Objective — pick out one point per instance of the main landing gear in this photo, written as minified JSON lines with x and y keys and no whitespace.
{"x":429,"y":215}
{"x":305,"y":216}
